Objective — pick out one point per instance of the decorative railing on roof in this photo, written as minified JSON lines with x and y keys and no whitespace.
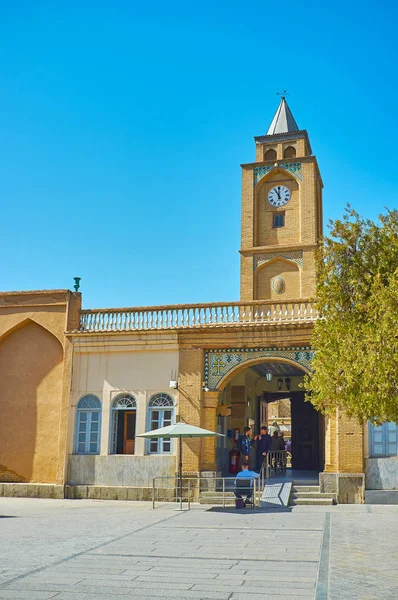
{"x":196,"y":315}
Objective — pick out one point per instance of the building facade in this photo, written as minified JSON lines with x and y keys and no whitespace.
{"x":77,"y":386}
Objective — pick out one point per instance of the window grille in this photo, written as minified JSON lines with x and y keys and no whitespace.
{"x":123,"y":402}
{"x":161,"y":400}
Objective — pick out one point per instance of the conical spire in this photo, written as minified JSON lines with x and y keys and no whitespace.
{"x":283,"y":121}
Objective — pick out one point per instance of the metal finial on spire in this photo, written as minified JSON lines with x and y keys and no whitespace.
{"x":283,"y":94}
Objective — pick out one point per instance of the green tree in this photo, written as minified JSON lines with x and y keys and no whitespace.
{"x":356,"y":337}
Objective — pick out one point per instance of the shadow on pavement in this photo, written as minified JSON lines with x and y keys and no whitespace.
{"x":272,"y":508}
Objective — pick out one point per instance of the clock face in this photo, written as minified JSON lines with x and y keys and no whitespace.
{"x":279,"y":195}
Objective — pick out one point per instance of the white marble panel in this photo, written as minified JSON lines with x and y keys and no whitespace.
{"x":382,"y":473}
{"x":119,"y":470}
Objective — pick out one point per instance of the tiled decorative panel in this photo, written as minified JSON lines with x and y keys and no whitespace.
{"x":219,"y":363}
{"x":294,"y":167}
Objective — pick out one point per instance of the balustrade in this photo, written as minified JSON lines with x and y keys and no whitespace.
{"x":195,"y":315}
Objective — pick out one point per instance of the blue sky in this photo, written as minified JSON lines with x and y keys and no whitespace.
{"x":123,"y":125}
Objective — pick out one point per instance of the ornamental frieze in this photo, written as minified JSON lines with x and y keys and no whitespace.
{"x":295,"y":256}
{"x":295,"y":168}
{"x":218,"y":363}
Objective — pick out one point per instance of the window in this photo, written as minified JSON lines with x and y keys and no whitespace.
{"x":290,"y":152}
{"x":124,"y":418}
{"x":270,"y":155}
{"x":161,"y":414}
{"x":279,"y":219}
{"x":383,"y":439}
{"x":88,"y":419}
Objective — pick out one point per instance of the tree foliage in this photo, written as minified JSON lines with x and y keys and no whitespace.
{"x":356,"y":337}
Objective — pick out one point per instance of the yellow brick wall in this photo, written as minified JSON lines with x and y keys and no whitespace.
{"x":344,"y":445}
{"x":265,"y":233}
{"x":190,"y":399}
{"x":264,"y":276}
{"x":303,"y":223}
{"x":350,"y":451}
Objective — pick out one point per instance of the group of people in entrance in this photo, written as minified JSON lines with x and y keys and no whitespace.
{"x":254,"y":450}
{"x":262,"y":445}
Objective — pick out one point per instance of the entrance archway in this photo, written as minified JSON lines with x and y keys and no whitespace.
{"x":269,"y":392}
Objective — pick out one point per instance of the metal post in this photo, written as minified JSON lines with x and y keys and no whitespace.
{"x":153,"y":492}
{"x":180,"y":472}
{"x":223,"y":492}
{"x":189,"y":494}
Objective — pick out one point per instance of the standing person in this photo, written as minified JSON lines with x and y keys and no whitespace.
{"x":283,"y":462}
{"x":264,"y":446}
{"x":244,"y":445}
{"x":277,"y":445}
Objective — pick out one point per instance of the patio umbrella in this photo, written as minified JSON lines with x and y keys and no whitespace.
{"x":180,"y":431}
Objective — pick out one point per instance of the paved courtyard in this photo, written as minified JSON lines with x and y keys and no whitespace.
{"x":90,"y":549}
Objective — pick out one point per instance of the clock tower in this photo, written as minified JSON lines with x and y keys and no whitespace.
{"x":281,"y":214}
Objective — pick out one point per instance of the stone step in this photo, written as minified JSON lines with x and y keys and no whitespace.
{"x":217,"y":500}
{"x":311,"y":502}
{"x":217,"y":494}
{"x":312,"y":495}
{"x":305,"y":488}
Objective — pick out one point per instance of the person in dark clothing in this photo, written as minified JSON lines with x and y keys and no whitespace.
{"x":244,"y":444}
{"x":264,"y":445}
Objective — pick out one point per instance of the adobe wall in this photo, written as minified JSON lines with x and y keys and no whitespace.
{"x":35,"y":362}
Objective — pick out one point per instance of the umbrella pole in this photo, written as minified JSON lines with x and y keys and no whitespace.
{"x":180,"y":469}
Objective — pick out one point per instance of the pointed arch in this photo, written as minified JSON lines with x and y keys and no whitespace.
{"x":270,"y":154}
{"x":276,"y":258}
{"x":279,"y":170}
{"x":278,"y":279}
{"x":289,"y":152}
{"x":222,"y":384}
{"x":31,"y":376}
{"x":25,"y":321}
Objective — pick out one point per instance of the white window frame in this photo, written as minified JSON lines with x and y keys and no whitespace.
{"x":160,"y":402}
{"x":88,"y":405}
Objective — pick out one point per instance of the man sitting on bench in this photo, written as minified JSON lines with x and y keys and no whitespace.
{"x":244,"y":483}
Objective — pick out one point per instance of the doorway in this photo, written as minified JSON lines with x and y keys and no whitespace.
{"x":129,"y":432}
{"x":306,"y":431}
{"x":124,"y":431}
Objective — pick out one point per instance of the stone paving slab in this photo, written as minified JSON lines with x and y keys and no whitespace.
{"x":94,"y":550}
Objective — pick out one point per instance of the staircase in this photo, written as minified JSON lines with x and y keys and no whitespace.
{"x":216,"y":498}
{"x":309,"y":495}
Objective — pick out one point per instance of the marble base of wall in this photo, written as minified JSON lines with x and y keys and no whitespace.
{"x":382,"y":473}
{"x":100,"y":492}
{"x":31,"y":490}
{"x":119,"y":470}
{"x":209,"y":480}
{"x":348,"y":487}
{"x":381,"y":497}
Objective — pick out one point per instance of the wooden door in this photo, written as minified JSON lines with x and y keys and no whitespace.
{"x":129,"y":431}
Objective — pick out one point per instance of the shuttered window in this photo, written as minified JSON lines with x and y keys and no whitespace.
{"x":383,"y":439}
